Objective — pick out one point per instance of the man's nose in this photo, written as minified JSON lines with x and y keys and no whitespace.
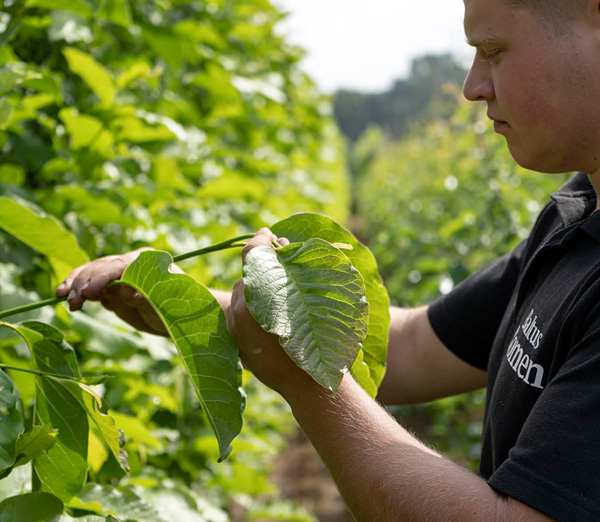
{"x":479,"y":85}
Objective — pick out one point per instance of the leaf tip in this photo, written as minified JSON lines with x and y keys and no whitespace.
{"x":225,"y":454}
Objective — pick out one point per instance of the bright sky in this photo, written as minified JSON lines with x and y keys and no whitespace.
{"x":365,"y":45}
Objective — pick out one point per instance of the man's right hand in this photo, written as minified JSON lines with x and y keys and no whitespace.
{"x":89,"y":281}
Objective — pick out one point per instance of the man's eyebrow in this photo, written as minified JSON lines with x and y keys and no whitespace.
{"x":479,"y":41}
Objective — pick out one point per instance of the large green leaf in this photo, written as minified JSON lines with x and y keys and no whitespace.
{"x":88,"y":399}
{"x":93,"y":73}
{"x":311,"y":296}
{"x":65,"y":403}
{"x":63,"y":468}
{"x":31,"y":507}
{"x":122,"y":503}
{"x":40,"y":231}
{"x":197,"y":325}
{"x":302,"y":227}
{"x":96,"y":409}
{"x":11,"y":423}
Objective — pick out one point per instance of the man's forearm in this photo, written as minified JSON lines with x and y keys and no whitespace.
{"x":385,"y":474}
{"x":223,"y":298}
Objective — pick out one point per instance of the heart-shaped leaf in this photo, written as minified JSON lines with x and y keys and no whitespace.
{"x":313,"y":299}
{"x":370,"y":368}
{"x":197,"y":325}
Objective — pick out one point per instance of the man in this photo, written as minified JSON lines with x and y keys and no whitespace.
{"x":529,"y":323}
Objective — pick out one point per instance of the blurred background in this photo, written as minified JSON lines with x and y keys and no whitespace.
{"x":179,"y":123}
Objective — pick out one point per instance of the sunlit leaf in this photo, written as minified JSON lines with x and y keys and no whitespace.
{"x":197,"y":325}
{"x":178,"y":503}
{"x":135,"y":430}
{"x":96,"y":409}
{"x":11,"y":173}
{"x":97,"y":453}
{"x":310,"y":296}
{"x":32,"y":443}
{"x":93,"y":73}
{"x":302,"y":227}
{"x":122,"y":503}
{"x":40,"y":231}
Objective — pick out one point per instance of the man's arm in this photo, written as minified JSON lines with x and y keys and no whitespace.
{"x":383,"y":473}
{"x":419,"y":367}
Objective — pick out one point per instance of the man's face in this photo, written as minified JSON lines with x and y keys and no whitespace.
{"x":542,"y":93}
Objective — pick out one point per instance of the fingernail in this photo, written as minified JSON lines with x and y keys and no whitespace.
{"x":72,"y":295}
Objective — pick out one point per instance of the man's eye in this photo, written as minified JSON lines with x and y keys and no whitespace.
{"x":492,"y":56}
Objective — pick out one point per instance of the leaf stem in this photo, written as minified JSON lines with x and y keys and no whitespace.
{"x":236,"y":242}
{"x":37,"y":372}
{"x":32,"y":306}
{"x":230,"y":243}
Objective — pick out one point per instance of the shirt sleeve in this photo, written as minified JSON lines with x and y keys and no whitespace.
{"x":554,"y":466}
{"x":467,"y":319}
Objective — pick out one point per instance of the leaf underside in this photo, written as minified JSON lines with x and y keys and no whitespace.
{"x":369,"y":367}
{"x":313,"y":299}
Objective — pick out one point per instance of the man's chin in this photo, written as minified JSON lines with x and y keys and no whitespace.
{"x":539,"y":162}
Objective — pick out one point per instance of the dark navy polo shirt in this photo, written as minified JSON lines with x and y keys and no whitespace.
{"x":531,"y":320}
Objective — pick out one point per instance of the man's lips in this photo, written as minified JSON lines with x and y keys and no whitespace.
{"x":498,"y":123}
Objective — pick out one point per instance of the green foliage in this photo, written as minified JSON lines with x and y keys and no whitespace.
{"x":170,"y":124}
{"x":313,"y":299}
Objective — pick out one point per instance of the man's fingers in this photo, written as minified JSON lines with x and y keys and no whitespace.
{"x":65,"y":287}
{"x":264,"y":237}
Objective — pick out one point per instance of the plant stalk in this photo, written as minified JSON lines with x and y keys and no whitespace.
{"x":36,"y":372}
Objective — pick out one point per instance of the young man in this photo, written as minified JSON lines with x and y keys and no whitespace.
{"x":528,"y":324}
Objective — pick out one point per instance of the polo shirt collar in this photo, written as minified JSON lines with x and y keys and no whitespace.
{"x":575,"y":200}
